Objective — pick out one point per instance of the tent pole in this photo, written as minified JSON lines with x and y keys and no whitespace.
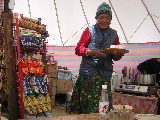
{"x":84,"y":12}
{"x":150,"y":16}
{"x":29,"y":9}
{"x":58,"y":22}
{"x":9,"y":60}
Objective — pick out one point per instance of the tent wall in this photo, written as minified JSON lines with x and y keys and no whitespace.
{"x":138,"y":53}
{"x":65,"y":56}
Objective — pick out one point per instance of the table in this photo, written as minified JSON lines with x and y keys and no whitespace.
{"x":140,"y":104}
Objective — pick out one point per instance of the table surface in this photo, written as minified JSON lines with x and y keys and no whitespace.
{"x":140,"y":104}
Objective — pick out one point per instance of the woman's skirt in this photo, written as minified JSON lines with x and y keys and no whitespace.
{"x":86,"y":95}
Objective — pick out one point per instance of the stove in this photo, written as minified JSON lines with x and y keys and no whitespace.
{"x":120,"y":87}
{"x":147,"y":90}
{"x":141,"y":89}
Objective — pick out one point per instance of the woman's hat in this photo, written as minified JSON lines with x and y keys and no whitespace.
{"x":104,"y":8}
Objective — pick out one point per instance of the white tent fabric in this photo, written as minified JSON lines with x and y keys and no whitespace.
{"x":136,"y":21}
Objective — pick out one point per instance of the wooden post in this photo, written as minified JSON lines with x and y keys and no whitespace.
{"x":7,"y":23}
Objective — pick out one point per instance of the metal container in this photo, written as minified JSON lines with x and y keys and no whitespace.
{"x":146,"y":79}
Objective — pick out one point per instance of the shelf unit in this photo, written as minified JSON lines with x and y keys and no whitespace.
{"x":30,"y":40}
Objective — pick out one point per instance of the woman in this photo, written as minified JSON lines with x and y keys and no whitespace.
{"x":96,"y":66}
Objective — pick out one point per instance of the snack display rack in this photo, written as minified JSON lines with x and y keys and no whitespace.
{"x":30,"y":41}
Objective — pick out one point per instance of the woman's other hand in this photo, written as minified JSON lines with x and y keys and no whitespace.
{"x":117,"y":56}
{"x":97,"y":53}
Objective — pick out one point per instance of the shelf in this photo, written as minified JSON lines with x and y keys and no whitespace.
{"x":25,"y":49}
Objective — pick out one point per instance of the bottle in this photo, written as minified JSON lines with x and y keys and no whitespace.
{"x":104,"y":94}
{"x":103,"y":103}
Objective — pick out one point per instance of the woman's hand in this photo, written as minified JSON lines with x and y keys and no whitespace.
{"x":97,"y":53}
{"x":117,"y":56}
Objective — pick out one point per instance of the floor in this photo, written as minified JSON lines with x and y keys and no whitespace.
{"x":60,"y":111}
{"x":56,"y":111}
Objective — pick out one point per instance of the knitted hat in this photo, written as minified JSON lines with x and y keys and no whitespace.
{"x":104,"y":8}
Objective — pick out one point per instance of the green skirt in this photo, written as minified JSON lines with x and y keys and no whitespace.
{"x":86,"y":95}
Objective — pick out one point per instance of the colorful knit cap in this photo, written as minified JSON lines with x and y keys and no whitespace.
{"x":104,"y":8}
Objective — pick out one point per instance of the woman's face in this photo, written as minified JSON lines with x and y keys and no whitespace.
{"x":103,"y":20}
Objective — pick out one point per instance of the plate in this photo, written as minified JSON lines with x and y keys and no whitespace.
{"x":116,"y":50}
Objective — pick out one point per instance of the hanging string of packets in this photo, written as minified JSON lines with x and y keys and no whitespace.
{"x":37,"y":104}
{"x":35,"y":84}
{"x":32,"y":24}
{"x":32,"y":66}
{"x":31,"y":40}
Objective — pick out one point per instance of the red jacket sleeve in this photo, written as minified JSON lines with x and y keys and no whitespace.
{"x":82,"y":45}
{"x":117,"y":41}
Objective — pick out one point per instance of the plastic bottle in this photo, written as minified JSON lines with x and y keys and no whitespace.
{"x":104,"y":94}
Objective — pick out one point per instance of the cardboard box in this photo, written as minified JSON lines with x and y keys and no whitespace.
{"x":64,"y":74}
{"x":52,"y":85}
{"x":63,"y":86}
{"x":52,"y":67}
{"x":52,"y":75}
{"x":53,"y":99}
{"x":54,"y":89}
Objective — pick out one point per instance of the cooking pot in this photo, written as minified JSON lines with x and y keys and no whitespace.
{"x":146,"y":79}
